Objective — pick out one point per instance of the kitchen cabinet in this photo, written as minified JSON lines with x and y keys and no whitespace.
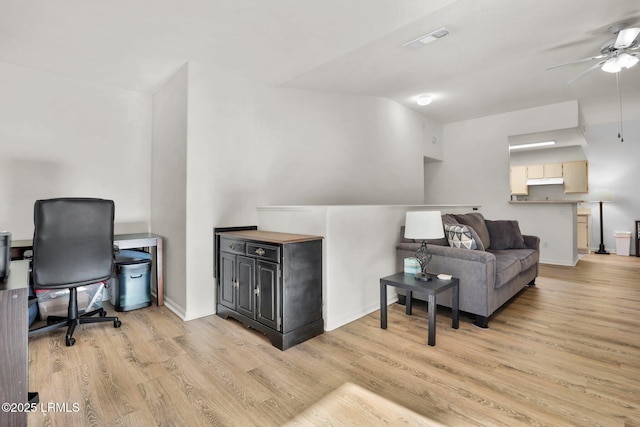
{"x":518,"y":177}
{"x":575,"y":176}
{"x":549,"y":170}
{"x":584,"y":231}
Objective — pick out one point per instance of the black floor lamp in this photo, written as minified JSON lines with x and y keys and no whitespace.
{"x":601,"y":196}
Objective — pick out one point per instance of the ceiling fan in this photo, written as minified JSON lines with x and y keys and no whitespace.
{"x":615,"y":54}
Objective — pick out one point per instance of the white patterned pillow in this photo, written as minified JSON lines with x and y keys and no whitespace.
{"x":460,"y":236}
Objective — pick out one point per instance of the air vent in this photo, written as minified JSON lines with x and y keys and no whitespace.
{"x":427,"y":38}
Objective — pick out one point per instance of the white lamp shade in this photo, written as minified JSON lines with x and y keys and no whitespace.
{"x":423,"y":225}
{"x":600,"y":195}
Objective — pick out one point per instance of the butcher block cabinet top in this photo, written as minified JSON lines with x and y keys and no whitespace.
{"x":271,"y":236}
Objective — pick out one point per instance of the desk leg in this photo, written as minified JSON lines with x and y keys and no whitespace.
{"x":432,"y":320}
{"x":160,"y":271}
{"x":455,"y":316}
{"x":383,"y":305}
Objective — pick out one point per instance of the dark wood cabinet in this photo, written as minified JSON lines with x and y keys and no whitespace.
{"x":271,"y":282}
{"x":14,"y":352}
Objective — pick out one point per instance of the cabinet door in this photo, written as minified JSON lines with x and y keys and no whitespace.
{"x":535,"y":171}
{"x":576,"y":177}
{"x":226,"y":284}
{"x":268,"y":294}
{"x":518,"y":177}
{"x":583,"y":234}
{"x":246,"y":286}
{"x":553,"y":170}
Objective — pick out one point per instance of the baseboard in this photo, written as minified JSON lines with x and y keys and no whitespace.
{"x":339,"y":321}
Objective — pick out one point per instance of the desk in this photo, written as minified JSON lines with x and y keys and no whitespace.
{"x":14,"y":348}
{"x":123,"y":241}
{"x":430,"y":288}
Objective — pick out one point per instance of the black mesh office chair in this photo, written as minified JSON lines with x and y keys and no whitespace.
{"x":72,"y":246}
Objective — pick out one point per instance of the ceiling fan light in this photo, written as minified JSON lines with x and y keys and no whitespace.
{"x":627,"y":61}
{"x":612,"y":65}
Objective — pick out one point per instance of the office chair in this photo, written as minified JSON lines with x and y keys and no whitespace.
{"x":72,"y":247}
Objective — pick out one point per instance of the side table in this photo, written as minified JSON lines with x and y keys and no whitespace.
{"x":430,"y":288}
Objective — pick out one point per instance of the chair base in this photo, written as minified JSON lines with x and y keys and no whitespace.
{"x":73,"y":319}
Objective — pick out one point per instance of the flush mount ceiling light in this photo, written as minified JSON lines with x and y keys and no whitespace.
{"x":532,"y":145}
{"x":427,"y":38}
{"x":423,"y":100}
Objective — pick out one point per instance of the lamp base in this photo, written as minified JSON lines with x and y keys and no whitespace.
{"x":601,"y":250}
{"x":423,"y":277}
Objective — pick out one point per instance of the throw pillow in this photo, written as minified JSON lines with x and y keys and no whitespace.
{"x":476,"y":221}
{"x":505,"y":235}
{"x":462,"y":236}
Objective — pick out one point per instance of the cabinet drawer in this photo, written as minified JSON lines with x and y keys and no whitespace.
{"x":271,"y":253}
{"x":232,"y":246}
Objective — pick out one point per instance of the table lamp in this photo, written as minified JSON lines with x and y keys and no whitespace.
{"x":423,"y":225}
{"x":601,"y":195}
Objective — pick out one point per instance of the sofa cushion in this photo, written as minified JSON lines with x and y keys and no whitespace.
{"x":527,"y":257}
{"x":449,"y":219}
{"x":462,"y":236}
{"x":476,"y":221}
{"x":505,"y":235}
{"x":507,"y":267}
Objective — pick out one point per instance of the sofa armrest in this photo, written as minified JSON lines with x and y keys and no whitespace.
{"x":532,"y":242}
{"x":475,"y":269}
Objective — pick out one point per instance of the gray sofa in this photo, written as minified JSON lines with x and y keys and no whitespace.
{"x":492,"y":259}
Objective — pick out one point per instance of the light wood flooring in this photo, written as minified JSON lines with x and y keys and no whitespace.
{"x":565,"y":352}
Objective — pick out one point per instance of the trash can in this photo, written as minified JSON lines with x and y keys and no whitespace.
{"x":623,"y":242}
{"x":131,"y":288}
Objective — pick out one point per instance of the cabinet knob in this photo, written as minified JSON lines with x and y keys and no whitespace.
{"x":232,"y":246}
{"x":260,"y":251}
{"x":257,"y":291}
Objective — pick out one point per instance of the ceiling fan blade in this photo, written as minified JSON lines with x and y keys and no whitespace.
{"x":585,"y":72}
{"x":626,"y":38}
{"x":576,"y":61}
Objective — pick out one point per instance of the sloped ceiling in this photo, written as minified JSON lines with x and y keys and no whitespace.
{"x":493,"y":60}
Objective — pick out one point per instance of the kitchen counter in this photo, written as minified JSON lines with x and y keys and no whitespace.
{"x":517,"y":202}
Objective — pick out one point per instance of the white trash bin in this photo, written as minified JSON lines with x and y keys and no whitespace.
{"x":623,"y":242}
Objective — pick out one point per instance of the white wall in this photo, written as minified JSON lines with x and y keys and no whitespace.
{"x":476,"y":170}
{"x":251,"y":145}
{"x":614,"y":165}
{"x":359,"y":248}
{"x":169,"y":184}
{"x":61,"y":137}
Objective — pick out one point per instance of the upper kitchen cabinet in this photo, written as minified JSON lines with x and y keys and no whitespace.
{"x":576,"y":177}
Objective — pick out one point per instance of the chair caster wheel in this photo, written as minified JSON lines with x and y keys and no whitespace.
{"x":70,"y":341}
{"x":117,"y":323}
{"x":103,"y":313}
